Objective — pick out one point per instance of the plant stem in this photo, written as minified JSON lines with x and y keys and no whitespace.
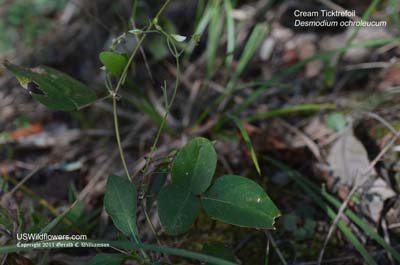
{"x":167,"y":110}
{"x":139,"y":44}
{"x":117,"y":135}
{"x":114,"y":95}
{"x":122,"y":80}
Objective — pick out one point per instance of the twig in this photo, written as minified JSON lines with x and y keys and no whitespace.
{"x":275,"y":246}
{"x":188,"y":109}
{"x":266,"y":261}
{"x":387,"y":239}
{"x":364,"y":66}
{"x":22,"y":182}
{"x":381,"y":120}
{"x":308,"y":141}
{"x":30,"y":193}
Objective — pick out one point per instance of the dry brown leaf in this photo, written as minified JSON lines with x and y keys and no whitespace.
{"x":349,"y":160}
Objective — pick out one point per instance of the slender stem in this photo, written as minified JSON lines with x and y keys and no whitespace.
{"x":121,"y":153}
{"x":168,"y":109}
{"x":162,"y":9}
{"x":97,"y":101}
{"x":122,"y":80}
{"x":154,"y":145}
{"x":138,"y":45}
{"x":153,"y":230}
{"x":142,"y":252}
{"x":117,"y":135}
{"x":125,"y":72}
{"x":114,"y":92}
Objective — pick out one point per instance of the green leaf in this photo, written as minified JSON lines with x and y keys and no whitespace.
{"x":195,"y":165}
{"x":155,"y":187}
{"x":114,"y":62}
{"x":336,"y":121}
{"x":107,"y":259}
{"x":240,"y":201}
{"x":177,"y":208}
{"x":219,"y":250}
{"x":120,"y":202}
{"x":52,"y":88}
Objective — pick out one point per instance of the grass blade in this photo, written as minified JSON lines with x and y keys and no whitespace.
{"x":247,"y":140}
{"x":257,"y":36}
{"x":364,"y":17}
{"x":328,"y":210}
{"x":358,"y":221}
{"x":201,"y":27}
{"x":349,"y":213}
{"x":371,"y":8}
{"x":230,"y":29}
{"x":255,"y":39}
{"x":265,"y":85}
{"x":214,"y":31}
{"x":352,"y":216}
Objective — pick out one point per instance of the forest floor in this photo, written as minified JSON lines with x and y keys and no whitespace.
{"x":318,"y":107}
